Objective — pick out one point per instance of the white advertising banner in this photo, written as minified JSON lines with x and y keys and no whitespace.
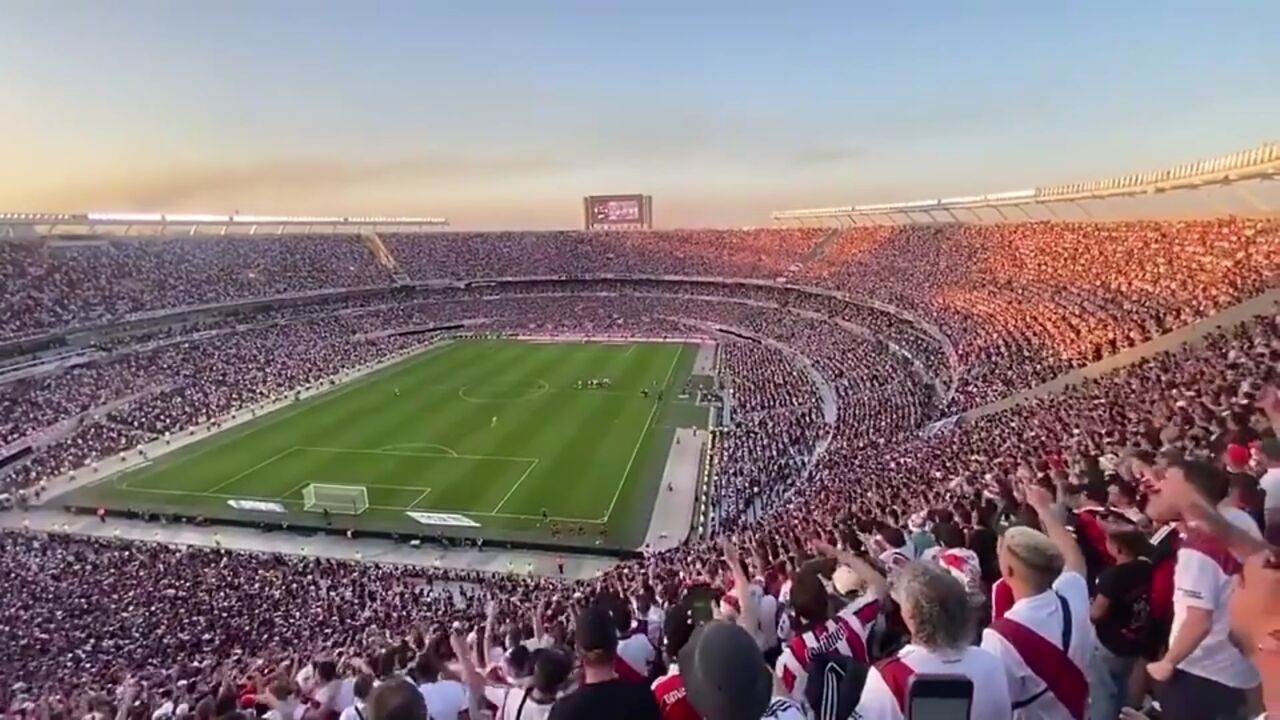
{"x":431,"y":518}
{"x":257,"y":505}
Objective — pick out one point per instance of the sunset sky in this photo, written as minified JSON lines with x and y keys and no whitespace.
{"x":504,"y":114}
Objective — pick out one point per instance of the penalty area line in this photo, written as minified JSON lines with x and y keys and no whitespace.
{"x":259,"y":466}
{"x":510,"y":492}
{"x":419,"y":499}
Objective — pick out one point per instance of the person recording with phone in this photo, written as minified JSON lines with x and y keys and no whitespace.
{"x":939,"y":675}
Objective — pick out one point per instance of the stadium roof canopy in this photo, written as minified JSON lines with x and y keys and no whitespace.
{"x":1260,"y":163}
{"x":41,"y":224}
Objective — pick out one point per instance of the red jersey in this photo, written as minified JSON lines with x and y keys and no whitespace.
{"x":672,"y":698}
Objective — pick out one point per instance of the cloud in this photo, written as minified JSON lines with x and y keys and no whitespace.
{"x":183,"y":185}
{"x":826,"y":155}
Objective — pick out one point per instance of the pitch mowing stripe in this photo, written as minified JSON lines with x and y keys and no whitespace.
{"x":378,"y":412}
{"x":523,"y":425}
{"x":419,"y":499}
{"x":455,"y":456}
{"x":256,"y":428}
{"x":517,"y":484}
{"x":260,"y":465}
{"x":643,"y":434}
{"x":555,"y":440}
{"x":382,"y":409}
{"x":433,"y":417}
{"x":605,"y":456}
{"x":581,"y":446}
{"x":335,"y":409}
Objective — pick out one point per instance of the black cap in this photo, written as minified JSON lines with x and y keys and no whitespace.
{"x":724,"y":674}
{"x":595,"y":632}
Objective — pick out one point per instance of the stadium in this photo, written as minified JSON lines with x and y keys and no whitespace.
{"x":1007,"y":454}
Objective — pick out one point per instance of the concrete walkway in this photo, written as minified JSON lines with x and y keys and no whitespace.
{"x":319,"y":545}
{"x":673,"y":509}
{"x":705,"y":362}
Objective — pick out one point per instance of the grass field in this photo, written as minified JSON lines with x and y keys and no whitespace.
{"x":494,"y":431}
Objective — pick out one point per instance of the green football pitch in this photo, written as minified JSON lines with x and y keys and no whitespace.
{"x":479,"y":436}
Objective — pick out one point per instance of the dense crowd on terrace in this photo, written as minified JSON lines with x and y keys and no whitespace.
{"x":72,"y":284}
{"x":895,"y":531}
{"x":141,"y":396}
{"x":786,"y":387}
{"x":1021,"y":302}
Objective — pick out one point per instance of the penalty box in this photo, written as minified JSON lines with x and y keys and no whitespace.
{"x":399,"y":478}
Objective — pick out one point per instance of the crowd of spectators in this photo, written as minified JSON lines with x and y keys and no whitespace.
{"x":49,"y":286}
{"x":147,"y":394}
{"x":1124,"y":505}
{"x":1020,"y":302}
{"x":1025,"y":302}
{"x":764,"y":380}
{"x":759,"y":253}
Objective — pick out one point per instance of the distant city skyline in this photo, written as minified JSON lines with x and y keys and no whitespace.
{"x":504,"y":114}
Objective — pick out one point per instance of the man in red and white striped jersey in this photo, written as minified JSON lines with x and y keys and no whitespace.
{"x":819,"y":632}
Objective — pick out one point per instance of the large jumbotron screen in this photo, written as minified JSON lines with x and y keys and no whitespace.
{"x":617,"y":211}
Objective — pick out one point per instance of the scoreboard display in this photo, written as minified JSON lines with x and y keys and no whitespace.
{"x":617,"y":212}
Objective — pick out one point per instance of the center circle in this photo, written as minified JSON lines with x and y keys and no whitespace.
{"x":502,"y":393}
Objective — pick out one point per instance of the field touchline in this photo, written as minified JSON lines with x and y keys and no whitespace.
{"x":644,"y":432}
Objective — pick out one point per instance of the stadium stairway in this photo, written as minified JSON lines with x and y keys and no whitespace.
{"x":821,"y":247}
{"x":384,"y":257}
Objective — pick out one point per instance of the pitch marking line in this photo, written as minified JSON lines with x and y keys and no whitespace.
{"x":413,"y":488}
{"x":644,"y":432}
{"x":510,"y":492}
{"x":446,"y":448}
{"x":259,"y":466}
{"x":391,"y":508}
{"x":298,"y":487}
{"x":539,"y":388}
{"x":416,"y":454}
{"x":419,"y":498}
{"x":220,"y":438}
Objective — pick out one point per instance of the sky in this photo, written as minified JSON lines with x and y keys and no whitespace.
{"x":503,"y":114}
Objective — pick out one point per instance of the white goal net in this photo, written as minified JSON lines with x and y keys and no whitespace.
{"x":348,"y":499}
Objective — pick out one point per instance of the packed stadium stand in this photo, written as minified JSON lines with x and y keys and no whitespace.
{"x":853,"y":515}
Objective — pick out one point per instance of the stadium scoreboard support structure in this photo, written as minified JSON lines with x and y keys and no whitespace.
{"x":1260,"y":164}
{"x":617,"y":212}
{"x":342,"y":499}
{"x":27,"y":225}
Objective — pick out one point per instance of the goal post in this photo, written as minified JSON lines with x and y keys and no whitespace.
{"x":346,"y":499}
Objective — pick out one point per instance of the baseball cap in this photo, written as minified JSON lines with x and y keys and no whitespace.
{"x":723,"y":673}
